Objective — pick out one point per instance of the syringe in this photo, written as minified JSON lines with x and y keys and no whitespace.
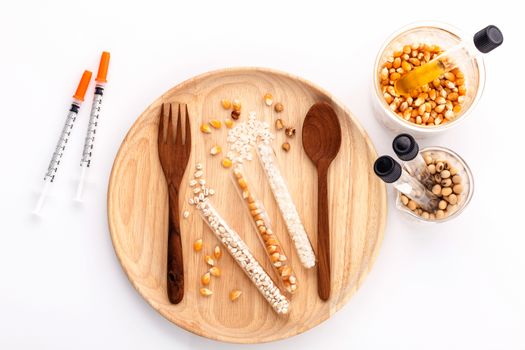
{"x":60,"y":148}
{"x":87,"y":151}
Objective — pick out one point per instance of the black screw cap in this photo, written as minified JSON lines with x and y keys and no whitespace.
{"x":488,"y":39}
{"x":387,"y":169}
{"x":405,"y":147}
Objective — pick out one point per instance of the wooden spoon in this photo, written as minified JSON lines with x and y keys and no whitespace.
{"x":321,"y":142}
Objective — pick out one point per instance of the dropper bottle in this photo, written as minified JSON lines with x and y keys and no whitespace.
{"x":388,"y":170}
{"x":407,"y":149}
{"x":485,"y":41}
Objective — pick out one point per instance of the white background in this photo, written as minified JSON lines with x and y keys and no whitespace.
{"x":458,"y":285}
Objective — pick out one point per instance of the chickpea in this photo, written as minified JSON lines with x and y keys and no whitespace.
{"x":412,"y":205}
{"x":446,"y":182}
{"x":452,"y":199}
{"x":445,"y":174}
{"x":458,"y":188}
{"x":456,"y":179}
{"x":432,"y":169}
{"x":404,"y":199}
{"x":440,"y":214}
{"x":440,"y":166}
{"x":446,"y":191}
{"x":436,"y":189}
{"x":442,"y":204}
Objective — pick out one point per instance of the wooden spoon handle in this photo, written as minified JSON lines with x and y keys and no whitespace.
{"x":175,"y":270}
{"x":323,"y":234}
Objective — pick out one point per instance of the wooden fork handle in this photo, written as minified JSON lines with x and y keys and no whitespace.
{"x":323,"y":233}
{"x":175,"y":271}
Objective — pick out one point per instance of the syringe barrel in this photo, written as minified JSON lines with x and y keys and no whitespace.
{"x":89,"y":141}
{"x":62,"y":141}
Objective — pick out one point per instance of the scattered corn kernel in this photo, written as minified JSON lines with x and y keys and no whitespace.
{"x":279,"y":124}
{"x":216,"y":123}
{"x":236,"y":105}
{"x":290,"y":132}
{"x":268,"y":99}
{"x":235,"y":294}
{"x":205,"y":128}
{"x":205,"y":292}
{"x":228,"y":122}
{"x":217,"y":252}
{"x":215,"y":271}
{"x":286,"y":146}
{"x":185,"y":214}
{"x":227,"y":162}
{"x":209,"y":260}
{"x":197,"y":245}
{"x":226,"y":104}
{"x":215,"y":150}
{"x":205,"y":279}
{"x":279,"y":107}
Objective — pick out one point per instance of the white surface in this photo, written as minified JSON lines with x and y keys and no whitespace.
{"x":459,"y":285}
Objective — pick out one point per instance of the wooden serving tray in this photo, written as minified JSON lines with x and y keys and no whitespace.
{"x":138,"y":200}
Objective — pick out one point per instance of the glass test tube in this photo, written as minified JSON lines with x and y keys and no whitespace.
{"x":262,"y":225}
{"x":239,"y":251}
{"x":485,"y":41}
{"x":287,"y":207}
{"x":407,"y":149}
{"x":391,"y":172}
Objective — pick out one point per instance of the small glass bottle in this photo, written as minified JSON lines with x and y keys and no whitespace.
{"x":407,"y":149}
{"x":485,"y":41}
{"x":390,"y":171}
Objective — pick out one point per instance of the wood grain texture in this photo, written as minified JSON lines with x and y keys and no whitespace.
{"x":138,"y":204}
{"x":321,"y":142}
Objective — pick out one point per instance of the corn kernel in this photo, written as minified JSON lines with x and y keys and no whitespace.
{"x":216,"y":123}
{"x":226,"y":162}
{"x":215,"y":150}
{"x":205,"y":292}
{"x":205,"y":128}
{"x":197,"y":245}
{"x":226,"y":104}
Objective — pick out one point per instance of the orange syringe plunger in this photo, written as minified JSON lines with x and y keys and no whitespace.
{"x":103,"y":68}
{"x":82,"y":86}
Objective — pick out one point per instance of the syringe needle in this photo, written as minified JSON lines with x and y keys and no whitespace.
{"x":94,"y":116}
{"x":52,"y":169}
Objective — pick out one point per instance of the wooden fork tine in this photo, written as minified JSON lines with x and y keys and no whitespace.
{"x":178,"y":136}
{"x":169,"y":137}
{"x":187,"y":137}
{"x":161,"y":126}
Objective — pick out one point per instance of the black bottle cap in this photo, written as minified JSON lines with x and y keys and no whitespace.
{"x":406,"y":147}
{"x":387,"y":169}
{"x":488,"y":39}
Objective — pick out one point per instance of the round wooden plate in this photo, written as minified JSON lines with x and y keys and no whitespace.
{"x":138,"y":209}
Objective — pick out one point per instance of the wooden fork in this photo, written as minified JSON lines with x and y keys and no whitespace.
{"x":174,"y":155}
